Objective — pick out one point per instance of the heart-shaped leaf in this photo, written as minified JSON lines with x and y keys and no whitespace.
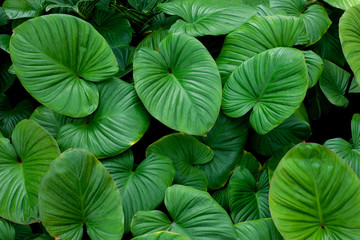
{"x":349,"y":33}
{"x":185,"y":151}
{"x":248,"y":196}
{"x":78,"y":190}
{"x":142,"y":188}
{"x":207,"y":17}
{"x":58,"y":58}
{"x":194,"y":214}
{"x":308,"y":202}
{"x":23,"y":164}
{"x":350,"y":152}
{"x":261,"y":229}
{"x":333,"y":82}
{"x":118,"y":123}
{"x":257,"y":35}
{"x":273,"y":84}
{"x":227,"y":139}
{"x":180,"y":84}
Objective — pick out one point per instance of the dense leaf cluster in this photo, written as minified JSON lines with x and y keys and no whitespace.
{"x":177,"y":119}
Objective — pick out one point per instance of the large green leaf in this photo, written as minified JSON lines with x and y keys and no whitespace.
{"x":314,"y":17}
{"x":185,"y":151}
{"x":227,"y":139}
{"x":22,"y":166}
{"x":118,"y":123}
{"x":349,"y":32}
{"x":333,"y":82}
{"x":257,"y":35}
{"x":9,"y":116}
{"x":293,"y":130}
{"x":261,"y":229}
{"x":161,"y":235}
{"x":7,"y":231}
{"x":272,"y":83}
{"x":50,"y":120}
{"x":58,"y":58}
{"x":23,"y":8}
{"x":248,"y":196}
{"x":78,"y":190}
{"x":142,"y":188}
{"x":114,"y":27}
{"x":314,"y":194}
{"x":349,"y":151}
{"x":194,"y":215}
{"x":207,"y":17}
{"x":342,"y":4}
{"x":314,"y":65}
{"x":180,"y":84}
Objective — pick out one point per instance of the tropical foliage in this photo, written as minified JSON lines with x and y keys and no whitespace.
{"x":179,"y":119}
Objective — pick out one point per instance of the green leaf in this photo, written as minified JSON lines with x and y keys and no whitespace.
{"x":248,"y":196}
{"x":50,"y":120}
{"x":265,"y":10}
{"x":207,"y":17}
{"x":314,"y":17}
{"x":118,"y":123}
{"x":333,"y":82}
{"x":255,"y":2}
{"x":144,"y":6}
{"x":194,"y":214}
{"x":64,"y":79}
{"x":257,"y":35}
{"x":7,"y":231}
{"x":161,"y":235}
{"x":293,"y":130}
{"x":9,"y":116}
{"x":185,"y":151}
{"x":78,"y":190}
{"x":354,"y":87}
{"x":184,"y":95}
{"x":15,"y":9}
{"x":249,"y":162}
{"x":22,"y":166}
{"x":71,"y":4}
{"x":7,"y":79}
{"x":160,"y":22}
{"x":114,"y":27}
{"x":222,"y":197}
{"x":272,"y":83}
{"x":4,"y":42}
{"x":142,"y":188}
{"x":261,"y":229}
{"x":350,"y":152}
{"x":314,"y":65}
{"x":349,"y":37}
{"x":308,"y":202}
{"x":124,"y":56}
{"x":342,"y":4}
{"x":227,"y":139}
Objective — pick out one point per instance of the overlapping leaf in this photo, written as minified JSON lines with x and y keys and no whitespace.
{"x":307,"y":201}
{"x":58,"y":58}
{"x":272,"y":83}
{"x":118,"y":123}
{"x":207,"y":17}
{"x":180,"y":84}
{"x":78,"y":190}
{"x":22,"y":166}
{"x":261,"y":229}
{"x":142,"y":188}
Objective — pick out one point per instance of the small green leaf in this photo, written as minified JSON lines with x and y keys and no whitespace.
{"x":314,"y":65}
{"x":15,"y":9}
